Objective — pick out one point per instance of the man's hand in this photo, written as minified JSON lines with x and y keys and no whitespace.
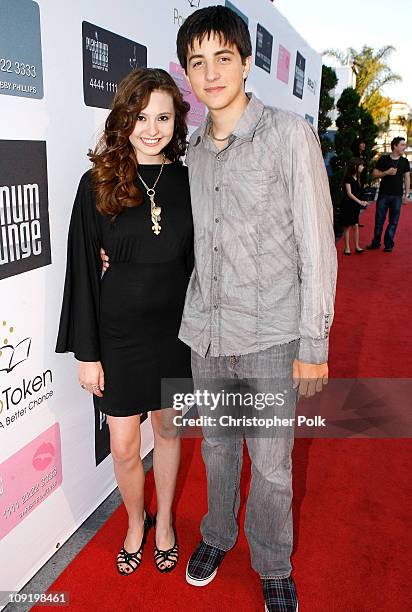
{"x":91,"y":377}
{"x":309,"y":377}
{"x":391,"y":171}
{"x":105,"y":259}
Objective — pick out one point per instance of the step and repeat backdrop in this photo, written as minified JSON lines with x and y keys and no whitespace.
{"x":60,"y":65}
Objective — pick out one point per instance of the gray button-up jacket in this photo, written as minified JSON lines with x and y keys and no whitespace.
{"x":265,"y":256}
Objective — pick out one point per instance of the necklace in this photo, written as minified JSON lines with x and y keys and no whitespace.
{"x":155,"y":210}
{"x":214,"y":137}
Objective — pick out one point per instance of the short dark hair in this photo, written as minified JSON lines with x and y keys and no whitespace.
{"x":396,"y":141}
{"x":220,"y":20}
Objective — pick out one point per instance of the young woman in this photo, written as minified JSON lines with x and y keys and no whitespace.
{"x":352,"y":203}
{"x":123,"y":327}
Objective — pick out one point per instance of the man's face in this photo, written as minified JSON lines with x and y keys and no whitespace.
{"x":216,"y":72}
{"x":400,"y":148}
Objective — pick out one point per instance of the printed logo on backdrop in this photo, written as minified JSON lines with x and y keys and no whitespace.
{"x":28,"y":477}
{"x":23,"y":390}
{"x":107,"y":59}
{"x":21,"y":72}
{"x":24,"y":209}
{"x":283,"y":65}
{"x":178,"y":19}
{"x":102,"y":435}
{"x":311,"y":85}
{"x":299,"y":80}
{"x":238,"y":11}
{"x":197,"y":111}
{"x":12,"y":355}
{"x":264,"y":42}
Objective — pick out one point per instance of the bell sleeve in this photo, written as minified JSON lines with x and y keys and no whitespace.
{"x":79,"y":320}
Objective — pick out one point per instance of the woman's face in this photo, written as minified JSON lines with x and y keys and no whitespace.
{"x":154,"y":128}
{"x":360,"y":168}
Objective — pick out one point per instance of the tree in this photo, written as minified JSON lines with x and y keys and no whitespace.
{"x":347,"y":125}
{"x":368,"y":131}
{"x":372,"y":74}
{"x":380,"y":107}
{"x":406,"y":123}
{"x":326,"y":104}
{"x":354,"y":122}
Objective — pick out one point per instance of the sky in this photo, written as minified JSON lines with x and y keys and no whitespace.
{"x":325,"y":24}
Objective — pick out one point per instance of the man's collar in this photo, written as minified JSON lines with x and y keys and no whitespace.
{"x":245,"y":127}
{"x":247,"y":124}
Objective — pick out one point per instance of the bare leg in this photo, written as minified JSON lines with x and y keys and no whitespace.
{"x":346,"y":237}
{"x":356,"y":230}
{"x":128,"y":468}
{"x":166,"y":459}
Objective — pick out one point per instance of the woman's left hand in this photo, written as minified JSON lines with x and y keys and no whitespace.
{"x":91,"y":377}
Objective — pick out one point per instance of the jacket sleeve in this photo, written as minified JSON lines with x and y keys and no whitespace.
{"x":313,"y":229}
{"x":78,"y":330}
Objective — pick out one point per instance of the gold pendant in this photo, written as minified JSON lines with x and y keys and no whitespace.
{"x":156,"y":228}
{"x":155,"y":214}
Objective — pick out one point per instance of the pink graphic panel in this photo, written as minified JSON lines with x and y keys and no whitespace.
{"x":283,"y":64}
{"x":28,"y":477}
{"x":197,"y":111}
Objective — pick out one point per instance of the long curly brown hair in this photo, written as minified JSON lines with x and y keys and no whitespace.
{"x":114,"y":160}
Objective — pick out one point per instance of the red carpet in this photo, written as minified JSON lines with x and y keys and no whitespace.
{"x":352,"y":497}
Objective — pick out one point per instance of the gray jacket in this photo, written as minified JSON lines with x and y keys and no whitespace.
{"x":265,"y":256}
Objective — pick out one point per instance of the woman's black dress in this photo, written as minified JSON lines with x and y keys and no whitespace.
{"x":349,"y":209}
{"x":129,"y":319}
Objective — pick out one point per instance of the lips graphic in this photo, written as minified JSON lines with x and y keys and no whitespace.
{"x":43,"y":456}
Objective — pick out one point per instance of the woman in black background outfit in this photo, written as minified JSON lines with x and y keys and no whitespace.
{"x":123,"y":327}
{"x":352,"y":203}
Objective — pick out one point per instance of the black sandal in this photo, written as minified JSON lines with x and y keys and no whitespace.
{"x":133,"y":560}
{"x":162,"y":556}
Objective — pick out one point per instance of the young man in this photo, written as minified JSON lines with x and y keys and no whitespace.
{"x":394,"y":170}
{"x":260,"y":302}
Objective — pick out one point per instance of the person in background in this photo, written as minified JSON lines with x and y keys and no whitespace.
{"x":394,"y":172}
{"x":359,"y":150}
{"x":352,"y":203}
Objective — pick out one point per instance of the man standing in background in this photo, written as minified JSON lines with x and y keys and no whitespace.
{"x":394,"y":172}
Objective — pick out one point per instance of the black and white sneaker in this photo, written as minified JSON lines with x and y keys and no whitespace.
{"x":203,"y":564}
{"x":280,"y":595}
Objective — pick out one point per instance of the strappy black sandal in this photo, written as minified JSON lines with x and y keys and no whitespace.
{"x":163,"y":556}
{"x":133,"y":560}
